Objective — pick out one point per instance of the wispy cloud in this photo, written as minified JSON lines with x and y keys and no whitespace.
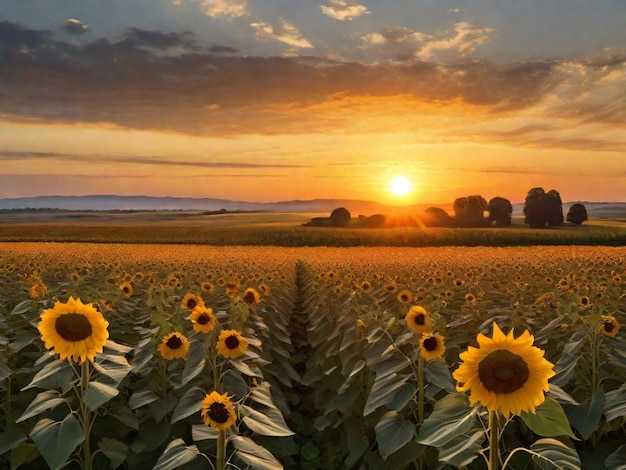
{"x":225,"y":8}
{"x":282,"y":31}
{"x":342,"y":10}
{"x":74,"y":26}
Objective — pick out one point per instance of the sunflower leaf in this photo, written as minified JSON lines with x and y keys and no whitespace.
{"x":586,"y":417}
{"x":462,"y":449}
{"x":553,"y":454}
{"x":615,"y":403}
{"x":270,"y":423}
{"x":453,"y":415}
{"x":392,"y":433}
{"x":549,"y":420}
{"x":188,"y":404}
{"x":194,"y":364}
{"x":176,"y":454}
{"x":98,"y":394}
{"x":617,"y":460}
{"x":44,"y":401}
{"x":56,"y":440}
{"x":114,"y":450}
{"x":255,"y":455}
{"x":53,"y":375}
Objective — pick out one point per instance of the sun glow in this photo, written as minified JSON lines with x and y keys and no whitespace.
{"x":400,"y":186}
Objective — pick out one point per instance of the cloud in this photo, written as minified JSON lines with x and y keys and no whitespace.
{"x":405,"y":43}
{"x":455,"y":10}
{"x":74,"y":26}
{"x":225,"y":8}
{"x":282,"y":31}
{"x":342,"y":10}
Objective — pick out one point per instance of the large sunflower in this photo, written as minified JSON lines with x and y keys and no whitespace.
{"x":251,"y":296}
{"x":230,"y":343}
{"x":218,"y":411}
{"x":418,"y":319}
{"x":174,"y":346}
{"x":505,"y":373}
{"x":203,"y":319}
{"x":75,"y":331}
{"x":432,"y":346}
{"x":191,"y":301}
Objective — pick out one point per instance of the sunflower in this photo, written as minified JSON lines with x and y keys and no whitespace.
{"x":418,"y":319}
{"x":405,"y":296}
{"x":203,"y":319}
{"x":218,"y":411}
{"x":610,"y":326}
{"x":432,"y":346}
{"x":174,"y":346}
{"x":191,"y":301}
{"x":37,"y":290}
{"x":75,"y":331}
{"x":207,"y":287}
{"x":505,"y":373}
{"x":75,"y":277}
{"x":230,"y":343}
{"x":251,"y":296}
{"x":126,"y":288}
{"x":584,"y":301}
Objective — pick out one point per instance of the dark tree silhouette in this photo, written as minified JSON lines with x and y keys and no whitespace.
{"x":541,"y":208}
{"x":437,"y":217}
{"x":340,"y":217}
{"x":577,"y":214}
{"x":500,"y":211}
{"x":469,"y":211}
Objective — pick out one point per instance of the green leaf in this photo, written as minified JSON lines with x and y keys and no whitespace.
{"x":586,"y":417}
{"x":357,"y":443}
{"x":463,"y":449}
{"x":161,"y":407}
{"x":256,"y":456}
{"x":615,"y":403}
{"x":23,"y":454}
{"x":114,"y":367}
{"x":392,"y":433}
{"x":114,"y":450}
{"x":438,"y":373}
{"x":200,"y":432}
{"x":549,"y":420}
{"x":270,"y":424}
{"x":56,"y":440}
{"x":24,"y":339}
{"x":617,"y":460}
{"x":188,"y":404}
{"x":10,"y":439}
{"x":97,"y":394}
{"x":21,"y":308}
{"x":5,"y":371}
{"x":554,"y":454}
{"x":177,"y":453}
{"x":44,"y":401}
{"x":53,"y":375}
{"x":452,"y":415}
{"x":383,"y":391}
{"x":141,"y":398}
{"x":194,"y":365}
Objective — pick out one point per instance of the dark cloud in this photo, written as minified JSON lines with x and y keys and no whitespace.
{"x":145,"y":160}
{"x":169,"y":82}
{"x":74,"y":26}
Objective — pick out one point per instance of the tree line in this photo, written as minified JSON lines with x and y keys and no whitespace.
{"x":541,"y":209}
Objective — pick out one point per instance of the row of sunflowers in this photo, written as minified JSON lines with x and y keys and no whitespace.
{"x":194,"y":357}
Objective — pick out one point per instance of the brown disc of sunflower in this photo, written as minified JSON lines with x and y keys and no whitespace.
{"x":418,"y":319}
{"x":432,"y":346}
{"x":218,"y":411}
{"x":174,"y":346}
{"x":230,"y":343}
{"x":203,"y":319}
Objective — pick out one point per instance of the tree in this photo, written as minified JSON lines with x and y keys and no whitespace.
{"x":469,"y":211}
{"x":437,"y":217}
{"x":541,"y":208}
{"x":577,"y":214}
{"x":500,"y":211}
{"x":340,"y":217}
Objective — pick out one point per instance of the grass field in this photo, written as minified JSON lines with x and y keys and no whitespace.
{"x":286,"y":229}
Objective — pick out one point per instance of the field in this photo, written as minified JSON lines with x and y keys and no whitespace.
{"x":333,"y":375}
{"x":282,"y":229}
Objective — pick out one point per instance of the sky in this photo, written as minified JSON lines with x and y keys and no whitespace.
{"x":275,"y":100}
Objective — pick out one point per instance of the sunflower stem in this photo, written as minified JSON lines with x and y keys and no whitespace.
{"x":86,"y":414}
{"x":494,"y":449}
{"x":420,"y":390}
{"x":221,"y":451}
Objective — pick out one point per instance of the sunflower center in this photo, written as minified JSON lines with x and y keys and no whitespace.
{"x":218,"y":413}
{"x":249,"y":298}
{"x":203,"y":319}
{"x":503,"y":372}
{"x":174,"y":342}
{"x":420,"y":319}
{"x":430,"y":344}
{"x":232,"y":342}
{"x":73,"y":327}
{"x":191,"y":304}
{"x":608,"y":326}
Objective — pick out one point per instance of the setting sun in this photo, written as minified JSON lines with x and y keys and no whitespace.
{"x":400,"y":186}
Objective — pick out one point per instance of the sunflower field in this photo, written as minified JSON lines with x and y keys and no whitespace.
{"x":183,"y":356}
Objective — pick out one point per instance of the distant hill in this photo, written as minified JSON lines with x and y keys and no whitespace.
{"x":599,"y":210}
